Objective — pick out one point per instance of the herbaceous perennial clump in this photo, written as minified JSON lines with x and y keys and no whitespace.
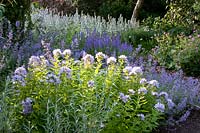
{"x":67,"y":95}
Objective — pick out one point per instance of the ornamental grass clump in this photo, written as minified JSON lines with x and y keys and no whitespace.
{"x":67,"y":95}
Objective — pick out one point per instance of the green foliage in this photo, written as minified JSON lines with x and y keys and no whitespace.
{"x":83,"y":97}
{"x":190,"y":55}
{"x":167,"y":50}
{"x":140,"y":36}
{"x":2,"y":10}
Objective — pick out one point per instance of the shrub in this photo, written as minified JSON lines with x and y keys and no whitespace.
{"x":190,"y":55}
{"x":64,"y":95}
{"x":140,"y":36}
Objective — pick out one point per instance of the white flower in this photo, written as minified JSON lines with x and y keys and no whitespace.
{"x":100,"y":56}
{"x":142,"y":90}
{"x":111,"y":60}
{"x":123,"y":58}
{"x":88,"y":59}
{"x":135,"y":71}
{"x":154,"y":83}
{"x":34,"y":61}
{"x":131,"y":91}
{"x":57,"y":52}
{"x":67,"y":52}
{"x":154,"y":93}
{"x":160,"y":107}
{"x":142,"y":117}
{"x":127,"y":69}
{"x":123,"y":97}
{"x":143,"y":81}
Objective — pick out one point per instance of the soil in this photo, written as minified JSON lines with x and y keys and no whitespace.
{"x":191,"y":125}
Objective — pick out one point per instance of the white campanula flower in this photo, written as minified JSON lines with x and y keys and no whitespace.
{"x":160,"y":107}
{"x":127,"y":69}
{"x":136,"y":70}
{"x":21,"y":71}
{"x":34,"y":61}
{"x":67,"y":52}
{"x":111,"y":60}
{"x":57,"y":53}
{"x":142,"y":90}
{"x":27,"y":106}
{"x":90,"y":83}
{"x":100,"y":56}
{"x":123,"y":97}
{"x":143,"y":81}
{"x":142,"y":117}
{"x":123,"y":58}
{"x":88,"y":59}
{"x":66,"y":71}
{"x":170,"y":103}
{"x":131,"y":91}
{"x":154,"y":83}
{"x":51,"y":78}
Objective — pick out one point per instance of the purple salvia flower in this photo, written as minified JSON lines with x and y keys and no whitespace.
{"x":123,"y":97}
{"x":17,"y":24}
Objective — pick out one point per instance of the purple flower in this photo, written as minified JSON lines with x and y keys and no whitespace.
{"x":66,"y":71}
{"x":165,"y":94}
{"x":142,"y":117}
{"x":21,"y":71}
{"x":142,"y":90}
{"x":123,"y":97}
{"x":143,"y":81}
{"x":170,"y":103}
{"x":160,"y":107}
{"x":154,"y":83}
{"x":90,"y":83}
{"x":34,"y":61}
{"x":184,"y":117}
{"x":27,"y":106}
{"x":51,"y":78}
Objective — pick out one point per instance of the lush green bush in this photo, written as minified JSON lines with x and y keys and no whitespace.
{"x":63,"y":95}
{"x":190,"y":55}
{"x":140,"y":36}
